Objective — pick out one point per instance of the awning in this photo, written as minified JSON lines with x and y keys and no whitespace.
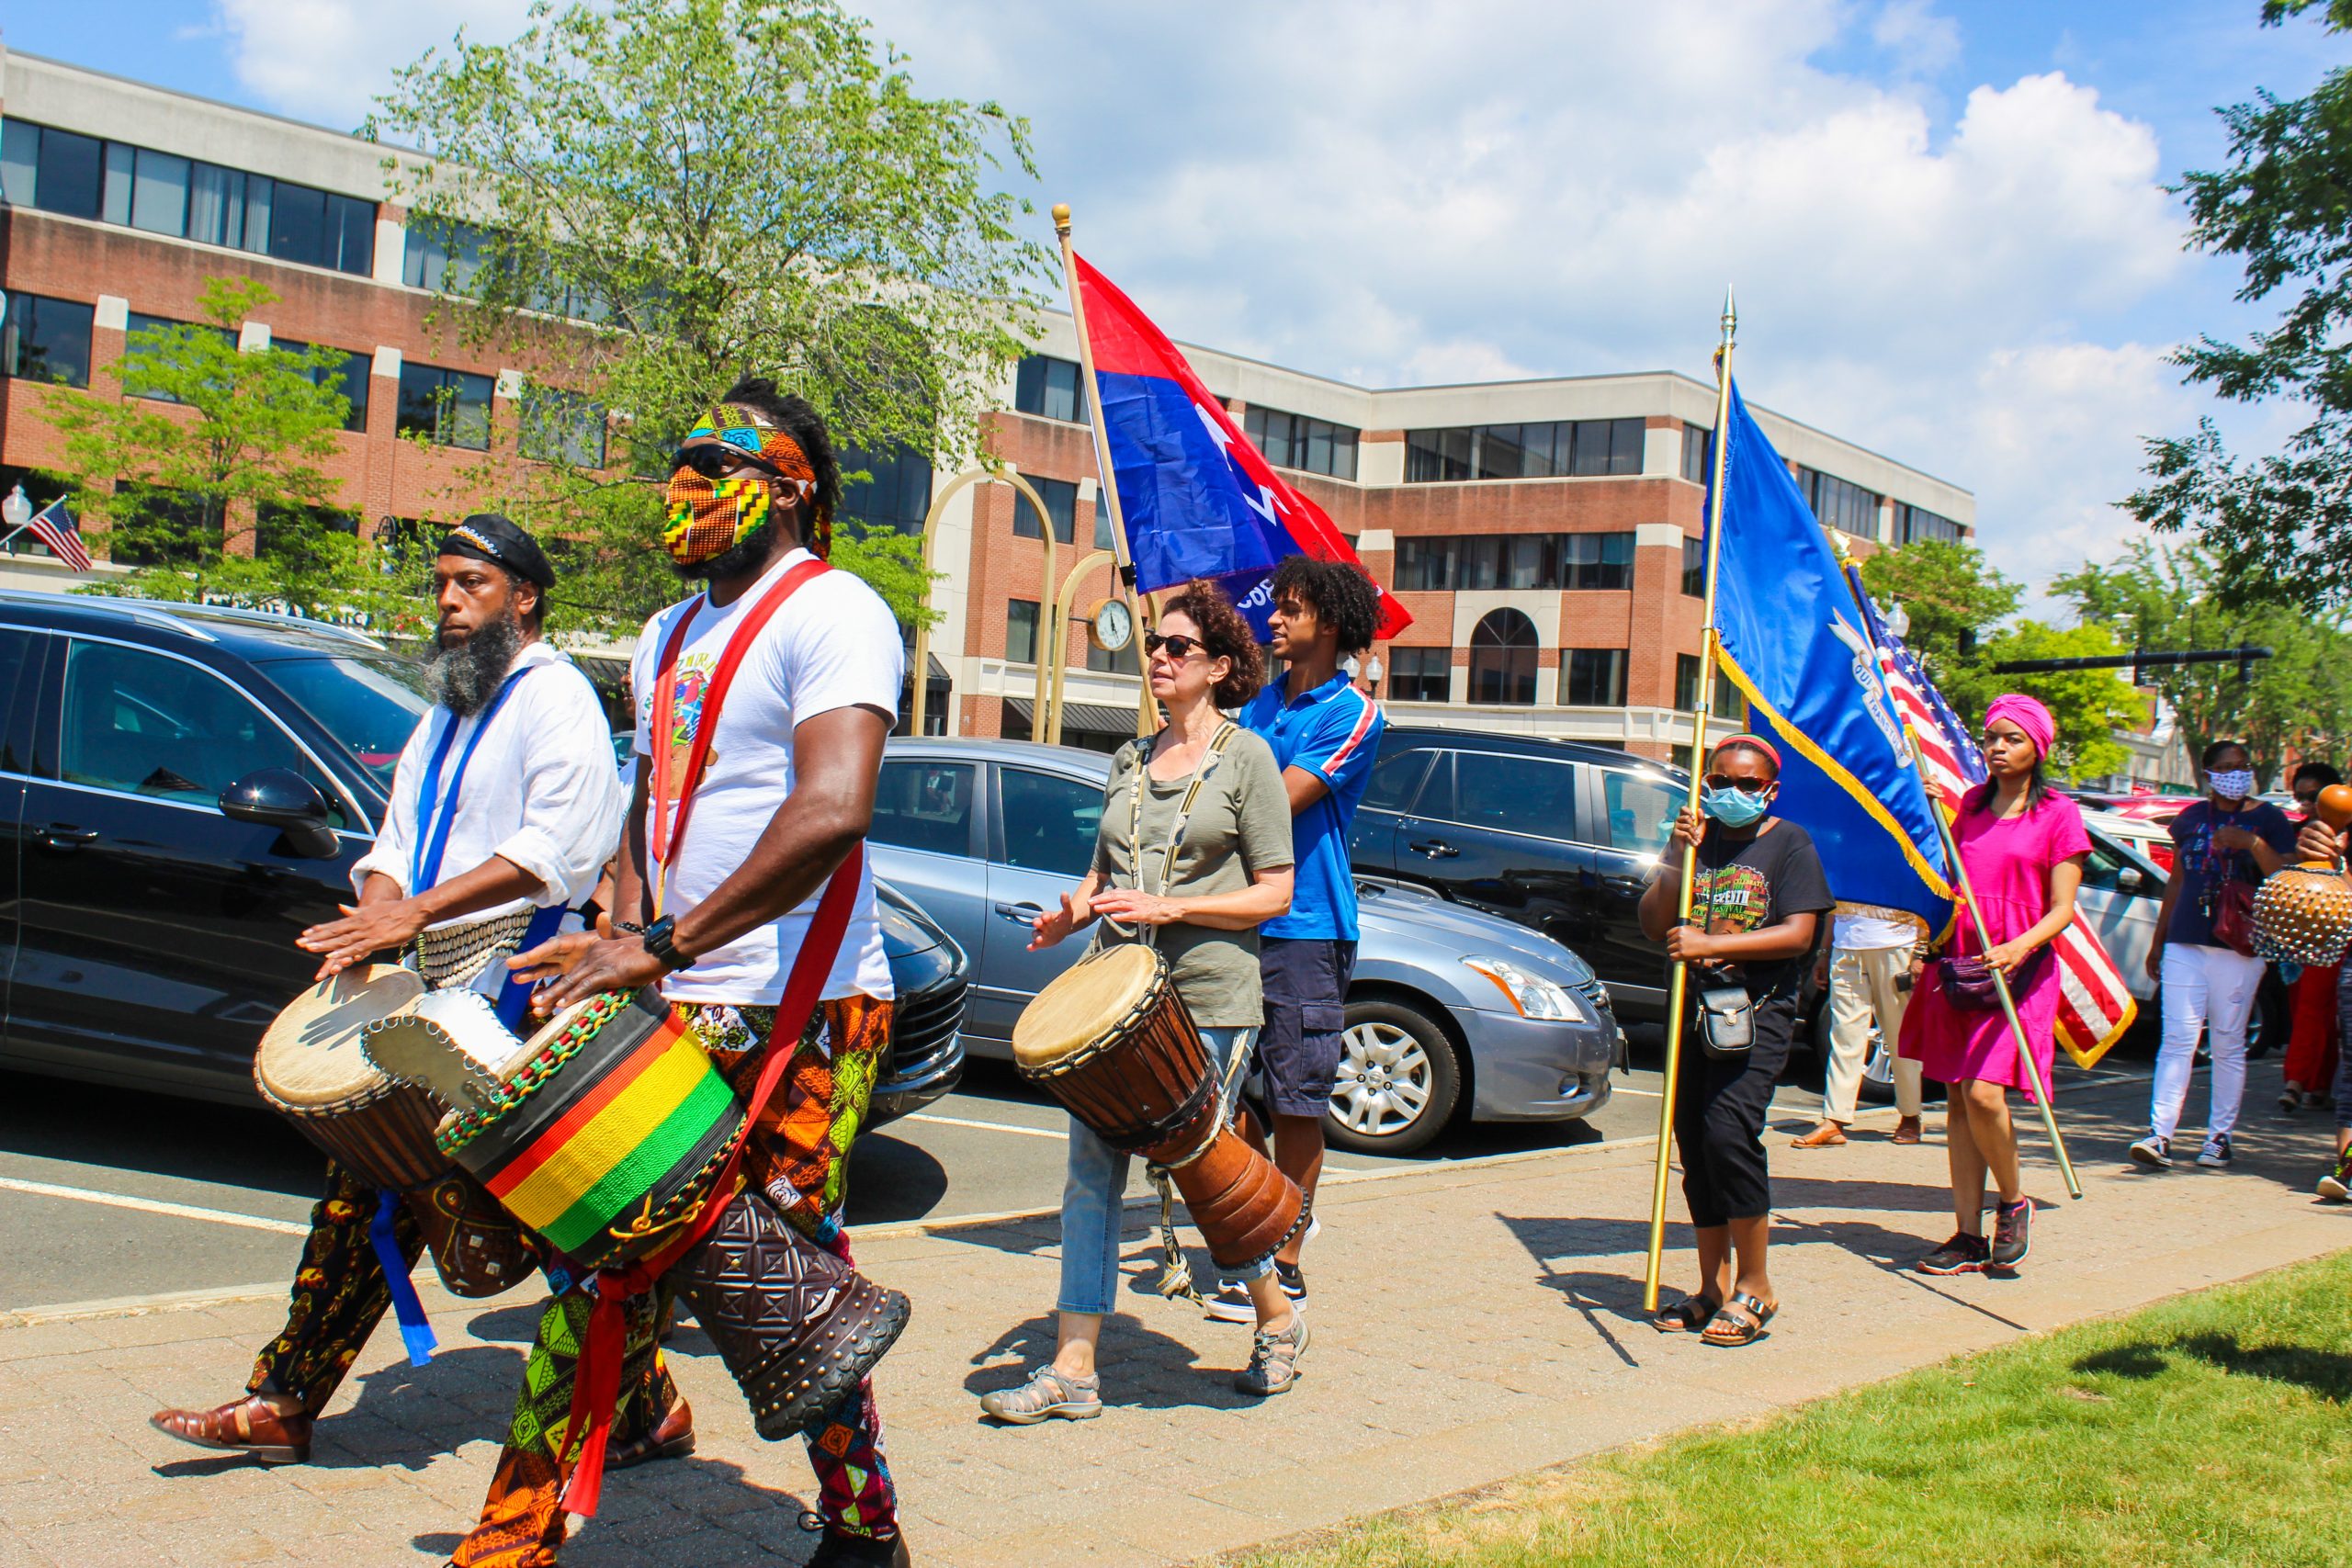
{"x":1092,"y":718}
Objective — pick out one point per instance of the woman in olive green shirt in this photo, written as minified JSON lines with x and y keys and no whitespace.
{"x":1202,"y":883}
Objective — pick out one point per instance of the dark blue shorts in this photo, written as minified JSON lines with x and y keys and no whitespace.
{"x":1299,"y":1048}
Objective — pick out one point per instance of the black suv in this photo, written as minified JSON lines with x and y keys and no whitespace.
{"x":1552,"y":834}
{"x":157,"y":869}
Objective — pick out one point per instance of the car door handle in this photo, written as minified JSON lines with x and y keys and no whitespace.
{"x":65,"y":836}
{"x":1434,"y":847}
{"x":1020,"y":914}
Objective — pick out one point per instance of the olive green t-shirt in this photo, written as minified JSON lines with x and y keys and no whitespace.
{"x":1239,"y":827}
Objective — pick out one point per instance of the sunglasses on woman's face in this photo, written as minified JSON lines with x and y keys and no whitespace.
{"x":1725,"y":780}
{"x":1180,"y":647}
{"x":716,"y":460}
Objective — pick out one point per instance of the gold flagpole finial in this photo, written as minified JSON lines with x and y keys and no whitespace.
{"x":1731,"y":311}
{"x":1061,"y":219}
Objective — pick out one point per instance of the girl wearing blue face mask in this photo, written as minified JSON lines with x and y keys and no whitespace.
{"x":1758,"y":896}
{"x":2203,"y":954}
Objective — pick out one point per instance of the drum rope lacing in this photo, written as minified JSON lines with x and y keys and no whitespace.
{"x":527,"y":1079}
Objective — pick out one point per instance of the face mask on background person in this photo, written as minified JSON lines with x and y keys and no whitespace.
{"x":2235,"y":784}
{"x":1732,"y":807}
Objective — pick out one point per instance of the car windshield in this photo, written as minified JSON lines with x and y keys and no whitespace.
{"x":371,"y":704}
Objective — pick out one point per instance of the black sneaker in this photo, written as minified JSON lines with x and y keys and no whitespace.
{"x":2012,"y":1234}
{"x":1964,"y":1254}
{"x":2153,"y":1152}
{"x":2216,"y":1154}
{"x":1292,"y":1281}
{"x":1231,"y":1304}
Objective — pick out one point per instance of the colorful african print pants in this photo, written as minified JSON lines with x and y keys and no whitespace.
{"x":799,"y":1155}
{"x":338,"y":1298}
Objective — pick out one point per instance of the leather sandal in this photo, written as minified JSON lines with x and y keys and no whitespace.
{"x":1740,"y":1321}
{"x":1686,"y":1316}
{"x":1906,"y":1131}
{"x":672,"y":1437}
{"x":1828,"y":1135}
{"x":246,"y":1425}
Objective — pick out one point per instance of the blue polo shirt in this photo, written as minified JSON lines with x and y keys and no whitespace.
{"x":1334,"y":733}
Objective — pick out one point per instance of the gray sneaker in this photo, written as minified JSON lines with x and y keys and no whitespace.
{"x":1274,"y":1358}
{"x":2012,"y":1232}
{"x":1047,"y":1395}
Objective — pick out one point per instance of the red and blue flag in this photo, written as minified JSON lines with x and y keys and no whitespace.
{"x":1199,"y":500}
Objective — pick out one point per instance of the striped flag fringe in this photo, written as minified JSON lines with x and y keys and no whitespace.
{"x":2095,"y":1003}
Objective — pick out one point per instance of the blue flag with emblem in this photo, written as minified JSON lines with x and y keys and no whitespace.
{"x":1790,"y":636}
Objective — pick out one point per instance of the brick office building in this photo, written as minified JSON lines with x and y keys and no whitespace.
{"x":1542,"y":533}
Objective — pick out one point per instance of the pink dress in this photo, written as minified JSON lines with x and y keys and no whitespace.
{"x":2009,"y":864}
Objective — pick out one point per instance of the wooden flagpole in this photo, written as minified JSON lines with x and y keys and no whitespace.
{"x":1677,"y":985}
{"x":1107,"y":494}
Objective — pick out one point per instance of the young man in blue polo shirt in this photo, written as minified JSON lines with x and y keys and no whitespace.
{"x":1326,"y":736}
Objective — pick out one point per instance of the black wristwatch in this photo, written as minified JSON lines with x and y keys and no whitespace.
{"x":656,"y":938}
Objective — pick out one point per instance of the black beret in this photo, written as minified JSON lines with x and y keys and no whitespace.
{"x":487,"y":537}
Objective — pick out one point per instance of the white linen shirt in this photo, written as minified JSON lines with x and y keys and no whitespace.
{"x":542,"y":790}
{"x":834,"y":644}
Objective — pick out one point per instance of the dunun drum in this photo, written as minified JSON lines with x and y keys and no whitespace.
{"x":2303,"y":913}
{"x":312,"y":1068}
{"x":1112,"y":1040}
{"x":603,"y":1132}
{"x":476,"y":1246}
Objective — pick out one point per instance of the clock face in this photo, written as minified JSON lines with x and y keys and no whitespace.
{"x":1114,"y":623}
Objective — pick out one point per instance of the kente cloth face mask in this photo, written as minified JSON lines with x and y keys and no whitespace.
{"x":705,"y":517}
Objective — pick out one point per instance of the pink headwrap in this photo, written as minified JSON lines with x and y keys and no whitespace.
{"x":2028,"y":714}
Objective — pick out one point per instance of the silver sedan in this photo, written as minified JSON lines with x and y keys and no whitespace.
{"x":1451,"y":1007}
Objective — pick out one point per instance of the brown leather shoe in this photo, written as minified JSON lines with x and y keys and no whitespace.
{"x":674,"y":1439}
{"x":1906,"y":1131}
{"x":246,"y":1425}
{"x":1828,"y":1135}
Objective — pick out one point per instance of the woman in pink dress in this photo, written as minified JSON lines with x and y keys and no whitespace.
{"x":2022,"y":844}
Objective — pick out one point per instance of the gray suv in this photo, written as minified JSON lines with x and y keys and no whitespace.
{"x":1451,"y":1008}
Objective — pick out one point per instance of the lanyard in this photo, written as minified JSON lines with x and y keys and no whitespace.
{"x":667,"y":831}
{"x":1201,"y":771}
{"x":436,"y":811}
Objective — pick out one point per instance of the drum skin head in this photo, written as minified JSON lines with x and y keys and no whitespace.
{"x":450,"y":1044}
{"x":311,"y":1054}
{"x":1083,"y":1004}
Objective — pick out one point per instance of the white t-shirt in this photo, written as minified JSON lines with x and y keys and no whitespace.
{"x":833,"y":645}
{"x":1868,"y":933}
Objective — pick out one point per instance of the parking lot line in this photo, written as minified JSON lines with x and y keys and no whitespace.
{"x":154,"y":1206}
{"x":987,"y":1126}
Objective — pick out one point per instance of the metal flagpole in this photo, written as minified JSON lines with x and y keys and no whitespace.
{"x":1936,"y":809}
{"x":1677,"y":985}
{"x":1147,"y":711}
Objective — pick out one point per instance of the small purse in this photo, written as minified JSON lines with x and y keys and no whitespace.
{"x":1726,"y":1020}
{"x":1968,"y":981}
{"x":2234,"y":918}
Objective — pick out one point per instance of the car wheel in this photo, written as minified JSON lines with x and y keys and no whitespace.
{"x":1878,"y":1063}
{"x":1398,"y":1083}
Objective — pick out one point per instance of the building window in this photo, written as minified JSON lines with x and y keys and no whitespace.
{"x":163,"y":193}
{"x":447,"y":408}
{"x":144,"y":324}
{"x":1583,"y":447}
{"x":1295,"y":441}
{"x":561,"y":426}
{"x":1913,"y":524}
{"x":1695,"y":567}
{"x":1596,"y":561}
{"x":1126,"y":661}
{"x":1021,"y":630}
{"x":1728,"y":703}
{"x":161,"y":527}
{"x":1482,"y":561}
{"x":1061,"y":503}
{"x":278,"y":527}
{"x":896,"y":495}
{"x":1421,"y":674}
{"x":350,"y":378}
{"x":1593,"y":678}
{"x":1698,"y":454}
{"x":1049,"y":387}
{"x":441,"y":257}
{"x":1502,"y":659}
{"x":1840,"y":503}
{"x":46,"y":340}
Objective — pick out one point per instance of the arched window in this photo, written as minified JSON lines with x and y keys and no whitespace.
{"x":1502,"y":659}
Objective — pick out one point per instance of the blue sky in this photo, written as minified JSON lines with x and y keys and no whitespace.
{"x":1946,"y":221}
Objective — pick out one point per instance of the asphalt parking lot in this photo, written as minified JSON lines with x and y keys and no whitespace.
{"x":109,"y":1195}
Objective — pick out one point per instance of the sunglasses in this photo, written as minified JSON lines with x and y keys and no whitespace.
{"x":1725,"y":780}
{"x":716,"y":460}
{"x":1179,"y":645}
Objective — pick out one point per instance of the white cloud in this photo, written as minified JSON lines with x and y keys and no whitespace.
{"x":1922,"y":42}
{"x":326,"y":60}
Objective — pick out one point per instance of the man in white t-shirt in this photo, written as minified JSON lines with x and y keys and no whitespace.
{"x":1869,"y":978}
{"x":715,"y":912}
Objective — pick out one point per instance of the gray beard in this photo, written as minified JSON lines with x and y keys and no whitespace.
{"x":465,"y":677}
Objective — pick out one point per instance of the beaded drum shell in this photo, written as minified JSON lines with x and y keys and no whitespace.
{"x":2303,"y":915}
{"x":311,"y":1068}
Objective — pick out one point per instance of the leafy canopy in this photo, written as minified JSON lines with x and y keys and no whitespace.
{"x":643,"y":200}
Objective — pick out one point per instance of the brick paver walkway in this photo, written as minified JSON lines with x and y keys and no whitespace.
{"x":1472,"y":1323}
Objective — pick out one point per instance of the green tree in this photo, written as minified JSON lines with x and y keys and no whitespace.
{"x":2278,"y":525}
{"x":1953,"y":597}
{"x":646,"y":199}
{"x":2300,"y":700}
{"x":2089,"y":706}
{"x":211,"y":442}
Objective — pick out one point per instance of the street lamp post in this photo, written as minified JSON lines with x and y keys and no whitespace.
{"x":1093,"y":561}
{"x":1048,"y":656}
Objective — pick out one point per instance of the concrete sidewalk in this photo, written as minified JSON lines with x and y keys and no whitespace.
{"x":1472,"y":1322}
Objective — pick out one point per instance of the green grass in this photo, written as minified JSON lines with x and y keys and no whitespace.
{"x":2212,"y":1430}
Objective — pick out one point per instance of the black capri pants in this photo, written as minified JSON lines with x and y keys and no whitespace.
{"x":1719,"y":1111}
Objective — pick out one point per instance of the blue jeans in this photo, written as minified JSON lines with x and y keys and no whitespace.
{"x":1096,"y":1183}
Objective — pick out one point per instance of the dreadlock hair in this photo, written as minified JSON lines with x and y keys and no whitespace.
{"x":792,"y":415}
{"x":1338,"y":593}
{"x":1224,"y":634}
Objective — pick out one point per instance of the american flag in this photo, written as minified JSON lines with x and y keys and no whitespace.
{"x":2095,"y":1005}
{"x":54,"y":527}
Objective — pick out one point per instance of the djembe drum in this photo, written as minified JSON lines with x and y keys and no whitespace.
{"x":1112,"y":1040}
{"x":607,"y":1131}
{"x":2303,"y":913}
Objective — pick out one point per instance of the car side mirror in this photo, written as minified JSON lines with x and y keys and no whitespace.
{"x":2128,"y":879}
{"x":283,"y":799}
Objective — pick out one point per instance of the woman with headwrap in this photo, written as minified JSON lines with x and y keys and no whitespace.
{"x":2022,"y":844}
